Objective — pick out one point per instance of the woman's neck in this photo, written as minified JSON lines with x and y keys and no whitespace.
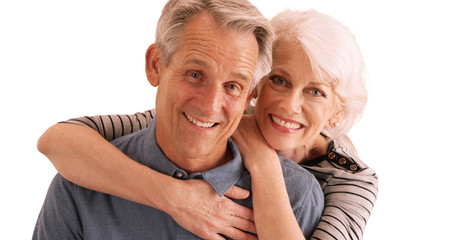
{"x":307,"y":152}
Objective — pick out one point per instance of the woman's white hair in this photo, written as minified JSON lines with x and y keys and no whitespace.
{"x":335,"y":58}
{"x":236,"y":15}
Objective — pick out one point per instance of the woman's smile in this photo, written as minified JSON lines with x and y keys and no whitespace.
{"x":287,"y":124}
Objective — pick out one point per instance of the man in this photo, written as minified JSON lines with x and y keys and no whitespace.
{"x":206,"y":60}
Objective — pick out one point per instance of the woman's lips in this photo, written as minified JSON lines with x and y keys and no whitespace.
{"x":285,"y":123}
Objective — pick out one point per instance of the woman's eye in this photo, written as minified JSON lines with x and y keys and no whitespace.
{"x":316,"y":92}
{"x":278,"y":80}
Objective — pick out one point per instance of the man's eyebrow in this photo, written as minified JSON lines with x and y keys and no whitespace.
{"x":241,"y":76}
{"x":196,"y":61}
{"x":237,"y":74}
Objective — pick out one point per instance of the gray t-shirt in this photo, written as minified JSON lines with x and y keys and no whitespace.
{"x":73,"y":212}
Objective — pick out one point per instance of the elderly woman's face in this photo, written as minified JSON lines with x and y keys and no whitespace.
{"x":292,"y":106}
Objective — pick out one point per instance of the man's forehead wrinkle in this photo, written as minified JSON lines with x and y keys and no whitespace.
{"x":205,"y":41}
{"x":207,"y":56}
{"x":204,"y":50}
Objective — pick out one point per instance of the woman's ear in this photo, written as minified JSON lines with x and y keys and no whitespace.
{"x":336,"y":119}
{"x":153,"y":64}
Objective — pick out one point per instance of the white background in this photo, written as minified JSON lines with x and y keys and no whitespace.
{"x":63,"y":59}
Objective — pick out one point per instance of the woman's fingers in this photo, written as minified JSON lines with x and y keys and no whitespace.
{"x":244,"y":224}
{"x":237,"y":193}
{"x":235,"y":233}
{"x":238,"y":216}
{"x":207,"y":215}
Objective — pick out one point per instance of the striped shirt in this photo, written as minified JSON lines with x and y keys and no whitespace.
{"x":350,"y":187}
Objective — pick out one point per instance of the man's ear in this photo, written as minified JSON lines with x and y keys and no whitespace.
{"x":153,"y":64}
{"x":255,"y":93}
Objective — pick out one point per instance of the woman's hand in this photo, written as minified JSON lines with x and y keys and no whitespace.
{"x":252,"y":146}
{"x":273,"y":213}
{"x":193,"y":204}
{"x":197,"y":207}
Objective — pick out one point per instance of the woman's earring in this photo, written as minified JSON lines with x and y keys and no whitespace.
{"x":333,"y":125}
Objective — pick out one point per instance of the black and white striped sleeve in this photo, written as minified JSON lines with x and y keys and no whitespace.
{"x":111,"y":127}
{"x":349,"y":199}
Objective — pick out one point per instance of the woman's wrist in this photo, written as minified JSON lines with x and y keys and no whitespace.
{"x":161,"y":191}
{"x":263,"y":161}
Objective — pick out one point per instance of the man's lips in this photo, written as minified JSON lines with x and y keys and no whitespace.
{"x":198,"y":122}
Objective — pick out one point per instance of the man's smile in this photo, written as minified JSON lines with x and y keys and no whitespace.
{"x":199,"y":123}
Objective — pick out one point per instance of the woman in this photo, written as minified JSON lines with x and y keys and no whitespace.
{"x":305,"y":108}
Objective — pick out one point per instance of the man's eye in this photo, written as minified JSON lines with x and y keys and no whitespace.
{"x":194,"y":77}
{"x":194,"y":74}
{"x":233,"y":89}
{"x":232,"y":86}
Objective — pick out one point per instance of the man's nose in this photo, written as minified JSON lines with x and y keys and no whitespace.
{"x":211,"y":101}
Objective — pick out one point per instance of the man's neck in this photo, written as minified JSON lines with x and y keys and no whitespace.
{"x":200,"y":164}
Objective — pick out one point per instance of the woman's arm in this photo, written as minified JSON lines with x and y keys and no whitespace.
{"x":349,"y":200}
{"x":84,"y":157}
{"x":111,"y":127}
{"x":273,"y":213}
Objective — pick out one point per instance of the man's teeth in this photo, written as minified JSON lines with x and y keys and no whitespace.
{"x":199,"y":123}
{"x":286,"y":124}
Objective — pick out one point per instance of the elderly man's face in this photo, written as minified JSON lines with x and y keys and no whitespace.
{"x":203,"y":92}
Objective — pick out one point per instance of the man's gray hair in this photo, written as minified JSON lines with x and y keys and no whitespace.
{"x":238,"y":15}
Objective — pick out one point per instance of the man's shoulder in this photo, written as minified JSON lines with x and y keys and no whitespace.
{"x":305,"y":195}
{"x":132,"y":144}
{"x":300,"y":183}
{"x":293,"y":170}
{"x":130,"y":140}
{"x":130,"y":137}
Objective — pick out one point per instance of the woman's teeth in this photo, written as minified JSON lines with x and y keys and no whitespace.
{"x":285,"y":124}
